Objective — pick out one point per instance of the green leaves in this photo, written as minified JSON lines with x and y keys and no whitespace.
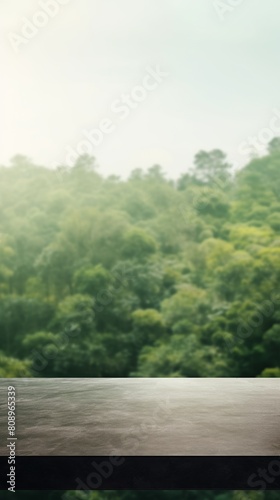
{"x":138,"y":244}
{"x":13,"y":368}
{"x":92,"y":280}
{"x":189,"y":303}
{"x":112,"y":277}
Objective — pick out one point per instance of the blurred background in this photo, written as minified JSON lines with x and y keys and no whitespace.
{"x":139,"y":193}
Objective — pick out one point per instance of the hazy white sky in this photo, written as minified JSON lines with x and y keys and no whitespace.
{"x":222,"y":84}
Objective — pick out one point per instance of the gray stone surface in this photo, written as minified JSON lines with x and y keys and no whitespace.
{"x":144,"y":416}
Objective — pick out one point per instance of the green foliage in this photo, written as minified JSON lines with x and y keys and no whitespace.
{"x":211,"y":166}
{"x":90,"y":280}
{"x":13,"y":368}
{"x":111,"y":278}
{"x":270,"y":372}
{"x":148,"y":325}
{"x":172,"y":495}
{"x":138,"y":244}
{"x":188,"y":304}
{"x":146,"y":495}
{"x":76,"y":309}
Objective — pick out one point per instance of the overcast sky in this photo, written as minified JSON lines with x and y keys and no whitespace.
{"x":222,"y":84}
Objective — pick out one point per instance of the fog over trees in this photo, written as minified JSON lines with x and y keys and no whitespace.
{"x":145,"y":277}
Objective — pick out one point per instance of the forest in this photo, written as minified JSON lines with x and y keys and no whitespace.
{"x":143,"y":277}
{"x":145,"y":495}
{"x":140,"y":277}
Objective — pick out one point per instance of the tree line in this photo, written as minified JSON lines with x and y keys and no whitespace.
{"x":143,"y":277}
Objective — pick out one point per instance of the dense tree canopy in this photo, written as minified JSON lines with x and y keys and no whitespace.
{"x":105,"y":277}
{"x":146,"y":495}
